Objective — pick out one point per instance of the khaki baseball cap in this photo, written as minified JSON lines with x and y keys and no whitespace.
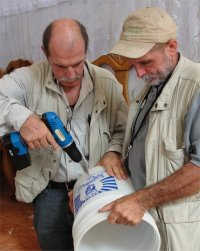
{"x":142,"y":30}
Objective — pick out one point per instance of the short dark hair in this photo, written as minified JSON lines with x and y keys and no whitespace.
{"x":48,"y":31}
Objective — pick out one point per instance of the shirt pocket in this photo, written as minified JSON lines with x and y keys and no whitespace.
{"x":175,"y":158}
{"x":181,"y":210}
{"x":30,"y":181}
{"x":106,"y":137}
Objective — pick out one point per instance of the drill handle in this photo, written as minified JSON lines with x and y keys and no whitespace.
{"x":57,"y":129}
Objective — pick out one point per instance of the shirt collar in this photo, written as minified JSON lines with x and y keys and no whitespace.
{"x":86,"y":87}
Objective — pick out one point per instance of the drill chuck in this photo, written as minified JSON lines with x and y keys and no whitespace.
{"x":73,"y":152}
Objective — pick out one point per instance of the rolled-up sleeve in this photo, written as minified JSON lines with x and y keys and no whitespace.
{"x":14,"y":92}
{"x":192,"y":131}
{"x":117,"y":139}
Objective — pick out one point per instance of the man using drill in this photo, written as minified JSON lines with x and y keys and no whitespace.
{"x":89,"y":102}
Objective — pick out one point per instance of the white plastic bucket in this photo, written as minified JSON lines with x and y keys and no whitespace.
{"x":91,"y":230}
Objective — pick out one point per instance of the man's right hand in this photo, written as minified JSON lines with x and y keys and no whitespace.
{"x":36,"y":134}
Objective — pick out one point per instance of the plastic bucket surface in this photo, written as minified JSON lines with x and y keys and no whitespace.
{"x":91,"y":230}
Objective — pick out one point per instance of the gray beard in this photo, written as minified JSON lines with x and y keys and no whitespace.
{"x":159,"y":81}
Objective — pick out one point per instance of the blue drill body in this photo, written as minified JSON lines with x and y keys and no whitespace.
{"x":58,"y":130}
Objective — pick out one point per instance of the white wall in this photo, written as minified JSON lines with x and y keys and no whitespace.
{"x":23,"y":22}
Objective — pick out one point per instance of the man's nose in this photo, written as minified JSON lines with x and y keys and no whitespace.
{"x":140,"y":71}
{"x":69,"y":71}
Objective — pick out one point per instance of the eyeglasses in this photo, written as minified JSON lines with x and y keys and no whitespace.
{"x":69,"y":118}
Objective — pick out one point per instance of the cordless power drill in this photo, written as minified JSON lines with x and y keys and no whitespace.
{"x":18,"y":149}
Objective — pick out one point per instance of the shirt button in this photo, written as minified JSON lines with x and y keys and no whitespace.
{"x":165,"y":104}
{"x":70,"y":160}
{"x":156,"y":105}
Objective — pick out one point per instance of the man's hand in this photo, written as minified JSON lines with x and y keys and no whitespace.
{"x":36,"y":134}
{"x":114,"y":165}
{"x":71,"y":205}
{"x":126,"y":210}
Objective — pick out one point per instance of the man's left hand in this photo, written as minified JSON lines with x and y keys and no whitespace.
{"x":70,"y":195}
{"x":114,"y":165}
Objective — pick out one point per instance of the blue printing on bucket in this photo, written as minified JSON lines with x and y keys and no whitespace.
{"x":90,"y":190}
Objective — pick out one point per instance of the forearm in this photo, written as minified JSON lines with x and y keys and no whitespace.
{"x":183,"y":183}
{"x":130,"y":209}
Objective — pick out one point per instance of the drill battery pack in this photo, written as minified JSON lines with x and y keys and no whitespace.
{"x":17,"y":150}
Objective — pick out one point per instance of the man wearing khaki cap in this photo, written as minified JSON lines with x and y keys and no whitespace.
{"x":162,"y":142}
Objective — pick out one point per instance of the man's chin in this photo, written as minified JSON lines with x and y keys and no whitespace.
{"x":152,"y":82}
{"x":70,"y":83}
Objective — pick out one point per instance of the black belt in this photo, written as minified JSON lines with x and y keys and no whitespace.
{"x":61,"y":185}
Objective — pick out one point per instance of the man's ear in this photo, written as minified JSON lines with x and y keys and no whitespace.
{"x":171,"y":47}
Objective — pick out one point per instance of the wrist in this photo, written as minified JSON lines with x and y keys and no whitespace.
{"x":112,"y":153}
{"x":145,"y":199}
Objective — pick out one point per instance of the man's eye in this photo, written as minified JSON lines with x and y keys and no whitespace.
{"x":146,"y":63}
{"x":59,"y":66}
{"x":78,"y":64}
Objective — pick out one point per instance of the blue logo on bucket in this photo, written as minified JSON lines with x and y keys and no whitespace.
{"x":96,"y":184}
